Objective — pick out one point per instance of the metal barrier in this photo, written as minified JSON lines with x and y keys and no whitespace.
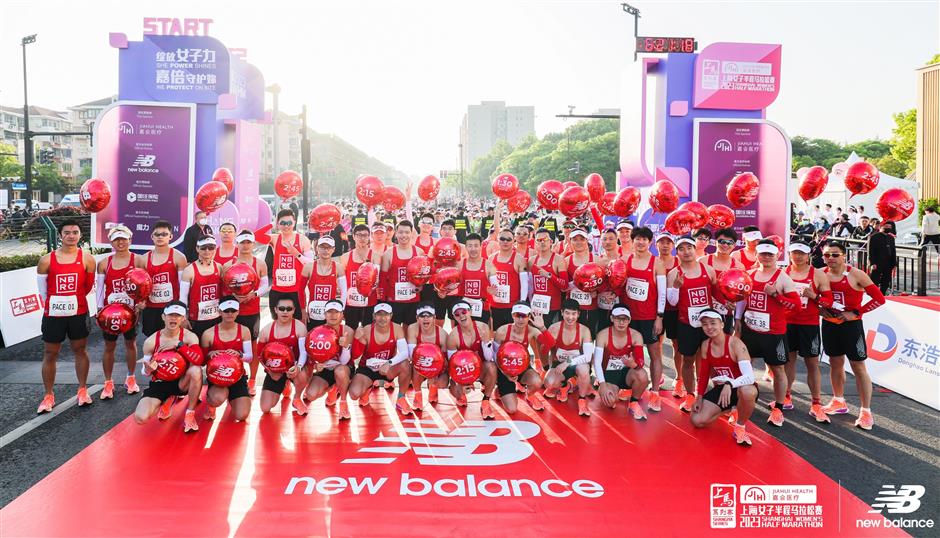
{"x":36,"y":233}
{"x":917,"y":272}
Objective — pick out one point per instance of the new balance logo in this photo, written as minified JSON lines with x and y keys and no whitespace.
{"x":475,"y":442}
{"x":903,"y":500}
{"x":145,"y":161}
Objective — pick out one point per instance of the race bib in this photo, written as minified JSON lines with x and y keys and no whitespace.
{"x":757,"y":321}
{"x":637,"y":289}
{"x":161,"y":292}
{"x":582,"y":297}
{"x":563,"y":355}
{"x":354,"y":298}
{"x":208,"y":310}
{"x":694,"y":313}
{"x":476,"y":307}
{"x":800,"y":288}
{"x":315,"y":310}
{"x":120,"y":297}
{"x":720,"y":308}
{"x":541,"y":303}
{"x":502,"y":294}
{"x":615,"y":363}
{"x":405,"y":291}
{"x":285,"y":278}
{"x":61,"y":306}
{"x":607,"y":300}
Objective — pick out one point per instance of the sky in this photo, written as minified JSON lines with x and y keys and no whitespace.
{"x":394,"y":78}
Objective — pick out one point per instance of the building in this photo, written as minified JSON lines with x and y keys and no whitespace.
{"x":55,"y":150}
{"x":288,"y":147}
{"x":484,"y":124}
{"x":928,"y":131}
{"x":83,"y":119}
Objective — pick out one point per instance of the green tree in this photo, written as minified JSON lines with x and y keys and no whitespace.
{"x":484,"y":168}
{"x":904,"y":141}
{"x":891,"y":166}
{"x":934,"y":60}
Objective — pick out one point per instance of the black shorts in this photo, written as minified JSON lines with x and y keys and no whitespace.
{"x":617,"y":377}
{"x":151,"y":320}
{"x":503,"y":384}
{"x":442,"y":306}
{"x":129,"y":336}
{"x":274,"y":296}
{"x":274,"y":385}
{"x":729,"y":323}
{"x":252,"y":321}
{"x":846,"y":338}
{"x":311,"y":323}
{"x":770,"y":347}
{"x":357,"y":316}
{"x":404,"y":313}
{"x":645,"y":328}
{"x":671,"y":324}
{"x":500,"y":316}
{"x":427,"y":294}
{"x":200,"y":327}
{"x":330,"y":375}
{"x":162,"y":390}
{"x":56,"y":329}
{"x":603,"y":319}
{"x":238,"y":389}
{"x":690,"y":339}
{"x":804,"y":339}
{"x":714,"y":393}
{"x":589,"y":318}
{"x":370,"y":373}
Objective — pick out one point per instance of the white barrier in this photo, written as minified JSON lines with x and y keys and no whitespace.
{"x":904,"y":351}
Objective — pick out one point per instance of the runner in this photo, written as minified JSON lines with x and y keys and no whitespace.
{"x":522,"y":244}
{"x":587,"y":300}
{"x":64,"y":278}
{"x":624,"y":231}
{"x":540,"y":341}
{"x":291,"y":250}
{"x":164,"y":264}
{"x":249,"y":310}
{"x":607,"y":298}
{"x":765,"y":320}
{"x":574,"y":350}
{"x":110,"y":289}
{"x":426,"y":331}
{"x":618,"y":362}
{"x":722,"y":261}
{"x":509,"y":283}
{"x":703,"y":237}
{"x":424,"y":240}
{"x":359,"y":305}
{"x":563,"y":246}
{"x":726,"y":363}
{"x":747,"y":256}
{"x":549,"y":279}
{"x":803,"y":325}
{"x":843,"y":334}
{"x":200,"y":286}
{"x":321,"y":280}
{"x":384,"y":351}
{"x":332,"y":377}
{"x":227,"y":250}
{"x":161,"y":395}
{"x":394,"y":274}
{"x":228,"y":335}
{"x":291,"y":332}
{"x":475,"y":275}
{"x":475,"y":336}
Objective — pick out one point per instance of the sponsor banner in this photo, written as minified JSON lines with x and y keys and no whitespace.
{"x":145,"y":151}
{"x":175,"y":68}
{"x":737,"y":76}
{"x":903,"y":351}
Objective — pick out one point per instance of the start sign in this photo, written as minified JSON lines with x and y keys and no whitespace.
{"x":174,"y":26}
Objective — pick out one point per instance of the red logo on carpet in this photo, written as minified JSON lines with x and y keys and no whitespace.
{"x":723,"y":506}
{"x":21,"y":306}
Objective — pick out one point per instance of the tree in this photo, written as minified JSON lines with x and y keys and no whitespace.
{"x":904,"y":141}
{"x":891,"y":166}
{"x":934,"y":60}
{"x":484,"y":168}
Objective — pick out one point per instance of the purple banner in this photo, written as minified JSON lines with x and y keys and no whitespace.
{"x":175,"y":68}
{"x":145,"y":151}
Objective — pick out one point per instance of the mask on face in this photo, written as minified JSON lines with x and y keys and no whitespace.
{"x":202,"y":221}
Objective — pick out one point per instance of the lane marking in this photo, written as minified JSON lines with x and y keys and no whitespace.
{"x":42,"y":419}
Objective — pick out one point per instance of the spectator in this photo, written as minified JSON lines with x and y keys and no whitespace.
{"x":199,"y":228}
{"x":805,"y":228}
{"x":882,"y":255}
{"x":863,"y":230}
{"x":930,"y":227}
{"x":853,"y":215}
{"x":842,"y":228}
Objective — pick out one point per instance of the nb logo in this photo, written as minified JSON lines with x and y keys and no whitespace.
{"x":145,"y":160}
{"x":903,"y":500}
{"x":475,"y":442}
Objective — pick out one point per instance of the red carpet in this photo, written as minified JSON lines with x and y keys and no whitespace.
{"x":543,"y":474}
{"x":929,"y":302}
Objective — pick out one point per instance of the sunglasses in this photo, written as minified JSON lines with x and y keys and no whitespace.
{"x":286,"y":222}
{"x":425,"y":315}
{"x":160,"y":234}
{"x":725,"y":242}
{"x":230,"y":311}
{"x":505,"y":239}
{"x":460,"y":312}
{"x":702,"y":238}
{"x":207,"y":247}
{"x":832,"y":255}
{"x":285,"y":309}
{"x":520,"y":315}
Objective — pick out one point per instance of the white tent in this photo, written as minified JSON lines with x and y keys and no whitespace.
{"x":837,"y":195}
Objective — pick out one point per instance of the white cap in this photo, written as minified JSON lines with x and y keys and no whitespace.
{"x":664,"y":235}
{"x":333,"y":305}
{"x":459,"y":305}
{"x":244,"y":237}
{"x":624,"y":224}
{"x":753,"y":236}
{"x":799,"y":247}
{"x":326,"y":240}
{"x":208,"y":240}
{"x":228,"y":305}
{"x":621,"y":311}
{"x":578,"y":232}
{"x":767,"y":249}
{"x":424,"y":308}
{"x":174,"y":309}
{"x":521,"y":308}
{"x":382,"y":307}
{"x":709,"y":313}
{"x":685,"y":239}
{"x":119,"y":232}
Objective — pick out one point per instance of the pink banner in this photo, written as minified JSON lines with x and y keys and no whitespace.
{"x":737,"y":76}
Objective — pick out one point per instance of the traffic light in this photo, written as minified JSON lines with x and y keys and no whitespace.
{"x":46,"y":155}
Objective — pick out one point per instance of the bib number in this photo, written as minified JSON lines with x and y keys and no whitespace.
{"x":285,"y":278}
{"x":354,"y":298}
{"x":564,"y":355}
{"x":541,"y":303}
{"x":637,"y":289}
{"x":606,"y":300}
{"x":208,"y":310}
{"x":120,"y":297}
{"x":694,"y":313}
{"x":405,"y":291}
{"x":615,"y":364}
{"x":161,"y":293}
{"x":315,"y":310}
{"x":800,"y":287}
{"x":582,"y":297}
{"x":476,"y":307}
{"x":501,"y":295}
{"x":720,"y":308}
{"x":61,"y":306}
{"x":757,"y":321}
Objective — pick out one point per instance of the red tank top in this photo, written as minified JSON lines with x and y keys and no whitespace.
{"x":204,"y":294}
{"x":523,"y":254}
{"x":251,"y":307}
{"x":843,"y":292}
{"x":473,"y":283}
{"x":400,"y":289}
{"x":426,"y":247}
{"x":640,"y":292}
{"x":808,"y":313}
{"x":385,"y":350}
{"x":576,"y":294}
{"x":156,"y":347}
{"x":114,"y":282}
{"x":437,"y":337}
{"x":286,"y":267}
{"x":525,"y":335}
{"x":322,"y":288}
{"x":225,"y":259}
{"x":675,"y":263}
{"x":166,"y":281}
{"x":66,"y":287}
{"x":621,"y":354}
{"x":722,"y":365}
{"x":290,"y":340}
{"x":354,"y":298}
{"x":565,"y":351}
{"x":695,"y":295}
{"x":544,"y":285}
{"x":221,"y":345}
{"x":507,"y":282}
{"x":476,"y":345}
{"x":763,"y":314}
{"x":748,"y":264}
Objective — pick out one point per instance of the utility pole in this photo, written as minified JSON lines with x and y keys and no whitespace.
{"x":275,"y":90}
{"x":304,"y":158}
{"x":460,"y":146}
{"x":27,"y":138}
{"x":630,"y":10}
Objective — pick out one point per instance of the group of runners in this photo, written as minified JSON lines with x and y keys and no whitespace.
{"x":516,"y":285}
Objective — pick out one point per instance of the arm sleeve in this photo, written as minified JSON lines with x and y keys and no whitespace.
{"x":302,"y":291}
{"x":587,"y":352}
{"x":308,"y":257}
{"x":488,"y":354}
{"x":546,"y":341}
{"x":450,"y":353}
{"x":672,"y":295}
{"x":89,"y":283}
{"x":739,"y":309}
{"x":598,"y":364}
{"x":41,"y":284}
{"x":638,"y":356}
{"x":789,"y":300}
{"x":660,"y":293}
{"x":343,"y":290}
{"x":358,"y":348}
{"x":100,"y":291}
{"x":184,"y":292}
{"x":401,"y":355}
{"x":561,"y":279}
{"x":747,"y":375}
{"x":302,"y":344}
{"x":344,"y":355}
{"x":524,"y":284}
{"x":143,"y":364}
{"x":247,"y":355}
{"x":263,"y":287}
{"x":493,"y":280}
{"x":825,"y":299}
{"x":877,"y":298}
{"x":411,"y":349}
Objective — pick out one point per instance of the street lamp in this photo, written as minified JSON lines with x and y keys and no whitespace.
{"x":27,"y":139}
{"x":275,"y":90}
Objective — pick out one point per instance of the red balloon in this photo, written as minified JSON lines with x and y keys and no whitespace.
{"x":446,"y":251}
{"x":519,"y":202}
{"x":735,"y":284}
{"x":393,"y":199}
{"x":465,"y":367}
{"x":428,"y":360}
{"x":616,"y":272}
{"x":589,"y":277}
{"x":94,"y":195}
{"x":595,"y":186}
{"x":720,"y":216}
{"x":418,"y":270}
{"x":895,"y":205}
{"x":277,"y":357}
{"x":680,"y":222}
{"x":626,"y":202}
{"x":861,"y":178}
{"x":225,"y":368}
{"x":606,"y":204}
{"x":778,"y":242}
{"x":224,"y":176}
{"x":324,"y":218}
{"x":664,"y":196}
{"x":211,"y":196}
{"x":742,"y":190}
{"x":288,"y":184}
{"x":322,"y":344}
{"x":512,"y":358}
{"x":574,"y":201}
{"x":505,"y":186}
{"x":567,"y":184}
{"x":598,"y":218}
{"x":370,"y":190}
{"x":366,"y":277}
{"x":170,"y":365}
{"x":429,"y":188}
{"x":241,"y":279}
{"x":116,"y":318}
{"x":548,"y":194}
{"x":813,"y":182}
{"x":446,"y":280}
{"x":138,"y":284}
{"x":193,"y":354}
{"x":700,"y":210}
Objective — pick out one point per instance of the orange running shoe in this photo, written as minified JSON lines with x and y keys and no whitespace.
{"x":486,"y":410}
{"x":636,"y":411}
{"x":654,"y":404}
{"x":550,"y":392}
{"x":108,"y":391}
{"x":816,"y":411}
{"x":776,"y":417}
{"x":418,"y":403}
{"x":366,"y":396}
{"x":299,"y":406}
{"x":288,"y":390}
{"x":189,"y":422}
{"x":536,"y":401}
{"x":563,"y":392}
{"x":687,"y":403}
{"x":678,"y":391}
{"x":331,"y":396}
{"x":251,"y":387}
{"x":210,"y":413}
{"x":166,"y":408}
{"x":836,"y":406}
{"x":733,"y":417}
{"x":865,"y":420}
{"x":740,"y":435}
{"x":519,"y":388}
{"x":624,"y":394}
{"x":343,"y":410}
{"x":788,"y":402}
{"x":403,"y":406}
{"x":432,"y":394}
{"x":48,"y":402}
{"x":583,"y":408}
{"x":83,"y":397}
{"x":131,"y":384}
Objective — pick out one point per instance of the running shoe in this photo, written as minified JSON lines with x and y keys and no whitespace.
{"x":836,"y":407}
{"x":108,"y":391}
{"x":865,"y":420}
{"x":418,"y":400}
{"x":776,"y":417}
{"x":299,"y":406}
{"x":189,"y":421}
{"x":654,"y":404}
{"x":662,"y":380}
{"x":816,"y":411}
{"x":486,"y":410}
{"x":536,"y":401}
{"x":733,"y":417}
{"x":131,"y":384}
{"x":83,"y":397}
{"x":624,"y":394}
{"x":687,"y":403}
{"x":210,"y":413}
{"x":403,"y":406}
{"x":166,"y":409}
{"x":583,"y":408}
{"x":331,"y":396}
{"x":740,"y":435}
{"x":251,"y":387}
{"x":48,"y":402}
{"x":343,"y":410}
{"x":768,"y":375}
{"x":432,"y":394}
{"x":678,"y":391}
{"x":519,"y":388}
{"x":364,"y":399}
{"x":288,"y":389}
{"x":550,"y":392}
{"x":563,"y":393}
{"x":636,"y":411}
{"x":788,"y":402}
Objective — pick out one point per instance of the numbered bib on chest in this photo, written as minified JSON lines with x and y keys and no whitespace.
{"x":801,"y":288}
{"x":354,"y":298}
{"x":563,"y":355}
{"x":757,"y":321}
{"x":694,"y":313}
{"x":637,"y":289}
{"x":285,"y":278}
{"x":501,"y":295}
{"x":720,"y":308}
{"x":120,"y":297}
{"x":315,"y":309}
{"x":61,"y":306}
{"x":476,"y":307}
{"x":208,"y":310}
{"x":405,"y":291}
{"x":582,"y":297}
{"x":615,"y":363}
{"x":541,"y":303}
{"x":161,"y":292}
{"x":606,"y":300}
